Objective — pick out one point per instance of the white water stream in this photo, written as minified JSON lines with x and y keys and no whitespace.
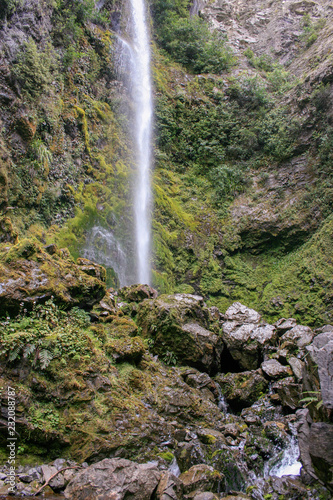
{"x":142,"y":97}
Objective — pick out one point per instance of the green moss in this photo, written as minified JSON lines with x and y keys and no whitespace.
{"x":167,"y":456}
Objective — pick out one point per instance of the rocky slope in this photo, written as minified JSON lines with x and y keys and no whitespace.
{"x":220,"y":395}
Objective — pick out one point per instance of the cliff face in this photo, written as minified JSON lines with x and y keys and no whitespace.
{"x":276,"y":28}
{"x":243,"y":136}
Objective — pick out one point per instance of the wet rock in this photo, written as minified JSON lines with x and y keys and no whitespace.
{"x":92,"y":269}
{"x":126,"y":349}
{"x":321,"y":451}
{"x":320,"y":367}
{"x":297,"y":367}
{"x":241,"y":314}
{"x":303,"y":423}
{"x":7,"y":233}
{"x":202,"y":495}
{"x":114,"y":479}
{"x":289,"y":393}
{"x":246,"y":343}
{"x":178,"y":325}
{"x":137,"y":293}
{"x":297,"y":337}
{"x":282,"y":325}
{"x":274,"y":370}
{"x":30,"y":275}
{"x":189,"y":454}
{"x":289,"y":487}
{"x":169,"y":487}
{"x":201,"y":476}
{"x":242,"y":389}
{"x":201,"y":381}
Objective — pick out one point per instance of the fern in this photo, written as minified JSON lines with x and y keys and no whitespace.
{"x":28,"y":349}
{"x":45,"y":357}
{"x":14,"y":353}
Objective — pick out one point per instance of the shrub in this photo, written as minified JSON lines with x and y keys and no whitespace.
{"x":190,"y":43}
{"x":34,"y":68}
{"x":8,"y":7}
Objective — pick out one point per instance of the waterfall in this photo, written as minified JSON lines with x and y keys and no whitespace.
{"x":142,"y":97}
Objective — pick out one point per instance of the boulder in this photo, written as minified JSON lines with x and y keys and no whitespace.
{"x":320,"y":367}
{"x":274,"y":370}
{"x":115,"y":479}
{"x":242,"y":314}
{"x":129,"y":349}
{"x":169,"y":487}
{"x":137,"y":293}
{"x":297,"y":337}
{"x":321,"y":451}
{"x":28,"y":275}
{"x":297,"y":367}
{"x":282,"y":325}
{"x":241,"y":390}
{"x":246,"y":343}
{"x":289,"y":393}
{"x":201,"y":476}
{"x":303,"y":423}
{"x":178,"y":325}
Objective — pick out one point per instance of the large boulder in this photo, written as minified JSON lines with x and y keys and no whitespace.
{"x":245,"y":338}
{"x":179,"y":328}
{"x":241,"y":390}
{"x":274,"y":370}
{"x":114,"y":479}
{"x":29,"y":274}
{"x":201,"y":477}
{"x":319,"y":370}
{"x":297,"y":338}
{"x":321,"y":451}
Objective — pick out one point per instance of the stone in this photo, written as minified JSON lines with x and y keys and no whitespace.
{"x":58,"y":482}
{"x":321,"y":451}
{"x":282,"y":325}
{"x":7,"y":233}
{"x":243,"y":389}
{"x":92,"y":269}
{"x":203,"y":495}
{"x":179,"y":326}
{"x":299,"y":336}
{"x":242,"y":314}
{"x":320,"y":367}
{"x":114,"y":479}
{"x":303,"y":422}
{"x":29,"y":275}
{"x":297,"y":367}
{"x":246,"y":343}
{"x":169,"y":487}
{"x":274,"y":370}
{"x":129,"y":349}
{"x":137,"y":293}
{"x":201,"y":476}
{"x":289,"y":393}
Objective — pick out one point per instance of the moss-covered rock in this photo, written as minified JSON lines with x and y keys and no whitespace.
{"x":242,"y":389}
{"x":30,"y":275}
{"x":178,"y":325}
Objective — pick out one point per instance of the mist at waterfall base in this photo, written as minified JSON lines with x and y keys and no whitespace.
{"x":131,"y":260}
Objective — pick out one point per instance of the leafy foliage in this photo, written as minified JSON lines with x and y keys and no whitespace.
{"x":190,"y":43}
{"x":34,"y":68}
{"x":47,"y":333}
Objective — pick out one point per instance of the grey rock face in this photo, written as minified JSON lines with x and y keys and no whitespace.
{"x":181,"y":324}
{"x":239,"y":312}
{"x":247,"y":342}
{"x":273,"y":369}
{"x":321,"y":450}
{"x":114,"y":479}
{"x":299,"y":335}
{"x":321,"y":355}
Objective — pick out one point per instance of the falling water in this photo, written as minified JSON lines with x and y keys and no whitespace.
{"x":142,"y":96}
